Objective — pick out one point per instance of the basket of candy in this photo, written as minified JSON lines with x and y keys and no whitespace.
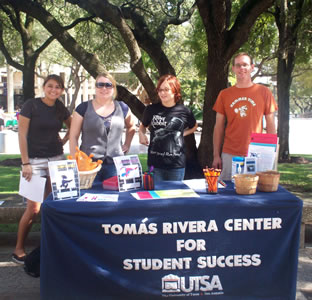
{"x":87,"y":168}
{"x":86,"y":178}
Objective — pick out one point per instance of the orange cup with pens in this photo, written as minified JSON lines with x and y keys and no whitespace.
{"x":212,"y":178}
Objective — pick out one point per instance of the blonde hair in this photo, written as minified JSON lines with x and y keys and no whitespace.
{"x":111,"y":79}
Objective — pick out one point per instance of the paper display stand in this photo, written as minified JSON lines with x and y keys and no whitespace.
{"x":129,"y":172}
{"x":264,"y":148}
{"x":64,"y":179}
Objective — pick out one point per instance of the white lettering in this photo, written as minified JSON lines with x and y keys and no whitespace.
{"x":253,"y":224}
{"x":222,"y":261}
{"x":182,"y":263}
{"x":130,"y":229}
{"x":191,"y":245}
{"x":189,"y":227}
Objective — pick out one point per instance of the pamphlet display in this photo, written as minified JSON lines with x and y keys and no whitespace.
{"x":250,"y":165}
{"x":264,"y":148}
{"x":64,"y":179}
{"x":129,"y":172}
{"x":237,"y":166}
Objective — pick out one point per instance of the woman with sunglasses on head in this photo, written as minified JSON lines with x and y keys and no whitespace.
{"x":40,"y":121}
{"x":101,"y":122}
{"x":168,"y":122}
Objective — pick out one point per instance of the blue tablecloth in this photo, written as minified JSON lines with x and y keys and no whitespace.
{"x":223,"y":246}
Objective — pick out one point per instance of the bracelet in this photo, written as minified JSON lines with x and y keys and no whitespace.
{"x":25,"y":164}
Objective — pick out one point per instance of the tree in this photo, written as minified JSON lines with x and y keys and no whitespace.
{"x":289,"y":16}
{"x":300,"y":93}
{"x":23,"y":24}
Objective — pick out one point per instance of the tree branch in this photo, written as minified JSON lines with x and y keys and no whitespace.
{"x":77,"y":21}
{"x":6,"y":53}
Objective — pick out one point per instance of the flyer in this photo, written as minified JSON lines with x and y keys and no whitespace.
{"x":129,"y":172}
{"x":64,"y":179}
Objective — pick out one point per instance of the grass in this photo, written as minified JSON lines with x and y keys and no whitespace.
{"x":9,"y":176}
{"x":297,"y":177}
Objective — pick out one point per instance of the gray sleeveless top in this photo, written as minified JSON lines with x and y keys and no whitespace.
{"x":96,"y":140}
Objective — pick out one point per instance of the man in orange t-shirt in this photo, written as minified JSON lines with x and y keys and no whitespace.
{"x":242,"y":107}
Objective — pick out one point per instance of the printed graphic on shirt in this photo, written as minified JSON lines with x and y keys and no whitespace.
{"x":167,"y":141}
{"x":242,"y":108}
{"x":158,"y":121}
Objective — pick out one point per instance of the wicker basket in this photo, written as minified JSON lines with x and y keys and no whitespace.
{"x":268,"y":181}
{"x":246,"y":184}
{"x":86,"y":178}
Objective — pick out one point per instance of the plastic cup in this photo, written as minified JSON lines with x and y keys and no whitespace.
{"x":212,"y":184}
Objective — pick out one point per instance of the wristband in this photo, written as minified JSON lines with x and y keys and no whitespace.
{"x":25,"y":164}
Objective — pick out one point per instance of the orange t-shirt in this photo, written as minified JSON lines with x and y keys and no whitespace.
{"x":244,"y":109}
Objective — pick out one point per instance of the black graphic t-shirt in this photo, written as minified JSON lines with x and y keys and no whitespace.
{"x":166,"y":125}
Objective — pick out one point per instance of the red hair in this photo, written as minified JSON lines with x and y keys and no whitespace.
{"x":173,"y":83}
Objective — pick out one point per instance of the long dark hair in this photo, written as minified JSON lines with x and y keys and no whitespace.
{"x":59,"y":105}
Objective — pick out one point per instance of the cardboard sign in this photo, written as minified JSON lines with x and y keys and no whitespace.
{"x":64,"y":179}
{"x":129,"y":172}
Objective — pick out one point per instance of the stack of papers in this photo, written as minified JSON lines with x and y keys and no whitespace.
{"x":98,"y":197}
{"x":264,"y":148}
{"x":163,"y":194}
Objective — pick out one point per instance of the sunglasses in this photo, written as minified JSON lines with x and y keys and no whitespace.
{"x":100,"y":85}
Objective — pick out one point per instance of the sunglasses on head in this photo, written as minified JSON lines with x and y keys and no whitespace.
{"x":100,"y":85}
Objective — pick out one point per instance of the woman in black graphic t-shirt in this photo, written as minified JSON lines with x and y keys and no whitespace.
{"x":168,"y":123}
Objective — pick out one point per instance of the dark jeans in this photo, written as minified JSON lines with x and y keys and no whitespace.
{"x":168,"y":174}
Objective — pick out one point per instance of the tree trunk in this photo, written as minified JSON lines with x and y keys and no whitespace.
{"x":288,"y":22}
{"x":29,"y":78}
{"x":216,"y":81}
{"x":283,"y":87}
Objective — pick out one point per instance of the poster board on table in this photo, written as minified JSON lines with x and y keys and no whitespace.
{"x":264,"y":147}
{"x":129,"y":172}
{"x":64,"y":179}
